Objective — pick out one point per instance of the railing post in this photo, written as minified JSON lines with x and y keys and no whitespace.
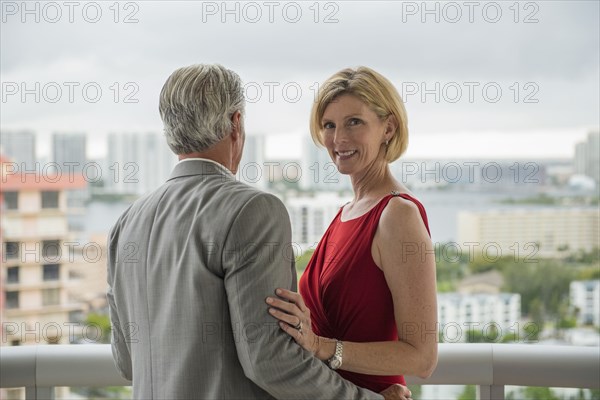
{"x":39,"y":393}
{"x":30,"y":393}
{"x":45,"y":393}
{"x":490,"y":392}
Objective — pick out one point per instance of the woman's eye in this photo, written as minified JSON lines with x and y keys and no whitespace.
{"x":328,"y":125}
{"x":354,"y":121}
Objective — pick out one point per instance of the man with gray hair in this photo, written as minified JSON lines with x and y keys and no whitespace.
{"x":191,"y":264}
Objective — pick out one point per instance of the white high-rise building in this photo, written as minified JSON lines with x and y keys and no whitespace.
{"x":69,"y":157}
{"x":310,"y":217}
{"x":252,"y":169}
{"x":527,"y":233}
{"x":318,"y":170}
{"x":579,"y":162}
{"x":19,"y":147}
{"x":69,"y":151}
{"x":137,"y":163}
{"x":585,"y":296}
{"x":587,"y":156}
{"x":484,"y":313}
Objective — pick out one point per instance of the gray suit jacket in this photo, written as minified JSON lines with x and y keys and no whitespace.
{"x":189,"y":268}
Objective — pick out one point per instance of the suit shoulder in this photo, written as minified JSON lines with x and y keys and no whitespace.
{"x":135,"y":207}
{"x":247,"y":194}
{"x":256,"y":201}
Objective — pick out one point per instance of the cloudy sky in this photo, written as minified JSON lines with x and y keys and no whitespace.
{"x":492,"y":79}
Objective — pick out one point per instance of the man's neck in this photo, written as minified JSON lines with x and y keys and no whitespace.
{"x":207,"y":156}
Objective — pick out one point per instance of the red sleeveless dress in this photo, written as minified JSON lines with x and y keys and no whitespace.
{"x":346,"y":292}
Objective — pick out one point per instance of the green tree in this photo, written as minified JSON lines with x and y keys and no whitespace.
{"x":491,"y":335}
{"x":109,"y":392}
{"x":536,"y":311}
{"x":539,"y":393}
{"x":451,"y":266}
{"x":302,"y":261}
{"x":543,"y":286}
{"x":510,"y":337}
{"x":102,"y":322}
{"x":469,"y":393}
{"x":588,"y":273}
{"x":416,"y":391}
{"x":532,"y":331}
{"x":585,"y":257}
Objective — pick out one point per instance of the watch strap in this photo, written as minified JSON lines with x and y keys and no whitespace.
{"x":335,"y":361}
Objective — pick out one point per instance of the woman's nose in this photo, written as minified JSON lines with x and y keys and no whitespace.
{"x":339,"y":135}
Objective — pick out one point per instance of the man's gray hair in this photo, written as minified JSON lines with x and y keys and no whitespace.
{"x":196,"y":106}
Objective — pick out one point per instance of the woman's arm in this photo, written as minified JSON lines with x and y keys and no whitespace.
{"x":403,"y":250}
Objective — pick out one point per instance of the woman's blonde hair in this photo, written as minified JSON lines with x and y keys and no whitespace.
{"x":376,"y":91}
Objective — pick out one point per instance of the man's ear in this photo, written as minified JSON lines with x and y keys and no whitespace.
{"x":236,"y":131}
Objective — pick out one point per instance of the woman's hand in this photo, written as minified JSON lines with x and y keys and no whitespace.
{"x":294,"y":319}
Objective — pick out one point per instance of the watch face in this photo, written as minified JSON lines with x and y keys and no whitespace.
{"x":336,"y":363}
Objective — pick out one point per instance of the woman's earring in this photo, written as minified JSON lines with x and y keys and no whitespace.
{"x":387,"y":142}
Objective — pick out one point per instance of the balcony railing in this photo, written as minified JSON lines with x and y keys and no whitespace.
{"x":489,"y":366}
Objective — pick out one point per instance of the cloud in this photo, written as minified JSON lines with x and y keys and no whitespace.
{"x":557,"y":56}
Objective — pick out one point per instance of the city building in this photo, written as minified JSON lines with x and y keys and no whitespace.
{"x":69,"y":156}
{"x":318,"y":170}
{"x":489,"y":282}
{"x":137,"y":163}
{"x":48,"y":274}
{"x":585,"y":298}
{"x":19,"y":147}
{"x":69,"y":151}
{"x":310,"y":217}
{"x":527,"y":233}
{"x":492,"y":315}
{"x":252,"y":169}
{"x":587,"y":156}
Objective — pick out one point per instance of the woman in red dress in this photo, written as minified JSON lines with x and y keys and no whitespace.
{"x":367,"y":302}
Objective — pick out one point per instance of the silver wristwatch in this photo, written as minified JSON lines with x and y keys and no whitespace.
{"x":335,"y":361}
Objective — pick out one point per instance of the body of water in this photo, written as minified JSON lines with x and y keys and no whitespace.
{"x":442,"y":209}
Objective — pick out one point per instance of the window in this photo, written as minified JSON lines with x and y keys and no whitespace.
{"x":12,"y":250}
{"x":51,"y":250}
{"x":51,"y":272}
{"x":12,"y":300}
{"x":15,"y":342}
{"x":304,"y":225}
{"x":50,"y":199}
{"x":12,"y":275}
{"x":468,"y":312}
{"x":50,"y":297}
{"x":11,"y":200}
{"x":318,"y":227}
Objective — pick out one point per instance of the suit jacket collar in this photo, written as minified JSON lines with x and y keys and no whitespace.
{"x":199,"y":166}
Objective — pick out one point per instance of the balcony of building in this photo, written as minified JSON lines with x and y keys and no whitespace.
{"x":491,"y":367}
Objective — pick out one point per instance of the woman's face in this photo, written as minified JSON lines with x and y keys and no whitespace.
{"x":353,"y":134}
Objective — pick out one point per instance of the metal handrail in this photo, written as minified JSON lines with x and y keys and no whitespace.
{"x":486,"y":365}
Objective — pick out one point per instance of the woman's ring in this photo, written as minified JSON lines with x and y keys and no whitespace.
{"x":299,"y":327}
